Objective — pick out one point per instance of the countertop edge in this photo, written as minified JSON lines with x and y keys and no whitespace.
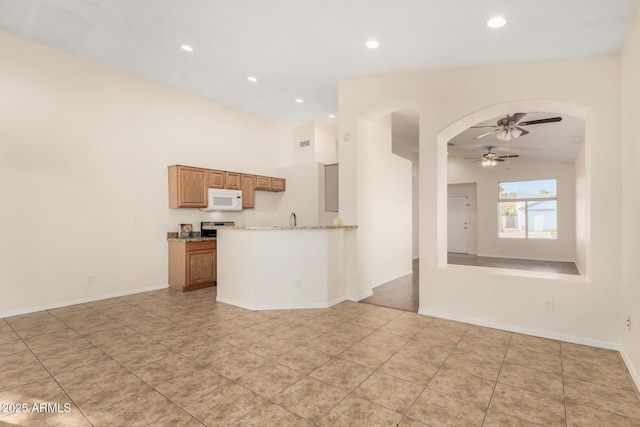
{"x":276,"y":228}
{"x":191,"y":239}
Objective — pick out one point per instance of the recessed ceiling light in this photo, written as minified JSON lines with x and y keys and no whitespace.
{"x":496,"y":22}
{"x":299,"y":101}
{"x":333,"y":116}
{"x":187,"y":48}
{"x":252,"y":79}
{"x":372,"y":44}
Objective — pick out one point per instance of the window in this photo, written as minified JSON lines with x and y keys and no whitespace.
{"x":528,"y":209}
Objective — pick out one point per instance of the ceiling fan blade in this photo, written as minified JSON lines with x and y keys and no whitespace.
{"x":478,"y":127}
{"x":486,"y":133}
{"x":524,"y":131}
{"x":517,"y":117}
{"x":510,"y":156}
{"x":498,"y":159}
{"x":537,"y":122}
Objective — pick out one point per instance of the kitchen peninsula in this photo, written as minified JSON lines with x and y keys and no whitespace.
{"x":265,"y":268}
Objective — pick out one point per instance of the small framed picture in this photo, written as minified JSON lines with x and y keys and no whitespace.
{"x":185,"y":230}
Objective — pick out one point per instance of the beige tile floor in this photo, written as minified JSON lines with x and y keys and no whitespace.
{"x":166,"y":358}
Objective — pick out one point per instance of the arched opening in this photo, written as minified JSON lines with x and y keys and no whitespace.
{"x":486,"y":219}
{"x":387,"y":204}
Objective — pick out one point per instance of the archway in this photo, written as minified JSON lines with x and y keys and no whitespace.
{"x":581,"y":239}
{"x":384,"y":199}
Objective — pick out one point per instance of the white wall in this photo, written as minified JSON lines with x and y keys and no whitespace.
{"x":84,"y":151}
{"x":582,"y":210}
{"x":304,"y":132}
{"x":391,"y":207}
{"x":326,"y":133}
{"x":289,"y":268}
{"x":487,"y":179}
{"x":304,"y":196}
{"x":470,"y":190}
{"x":586,"y":309}
{"x":630,"y":306}
{"x":415,"y":218}
{"x":322,"y":147}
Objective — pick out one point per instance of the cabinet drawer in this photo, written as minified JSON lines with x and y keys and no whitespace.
{"x":200,"y":246}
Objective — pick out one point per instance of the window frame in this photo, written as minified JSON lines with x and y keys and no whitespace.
{"x":526,"y":201}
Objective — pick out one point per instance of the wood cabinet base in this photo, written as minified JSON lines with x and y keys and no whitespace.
{"x":192,"y":265}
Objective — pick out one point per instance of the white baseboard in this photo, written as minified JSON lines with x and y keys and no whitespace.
{"x":361,"y":297}
{"x":81,"y":301}
{"x":627,"y":361}
{"x":534,"y":332}
{"x":279,"y":306}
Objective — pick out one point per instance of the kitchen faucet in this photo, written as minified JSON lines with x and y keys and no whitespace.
{"x":292,"y":220}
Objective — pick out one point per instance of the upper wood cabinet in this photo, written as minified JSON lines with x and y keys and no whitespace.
{"x":188,"y":187}
{"x":233,"y":181}
{"x":277,"y":184}
{"x":216,"y":179}
{"x":268,"y":183}
{"x":248,"y":187}
{"x":263,"y":183}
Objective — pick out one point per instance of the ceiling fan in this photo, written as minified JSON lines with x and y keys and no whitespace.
{"x":510,"y":126}
{"x":490,"y":159}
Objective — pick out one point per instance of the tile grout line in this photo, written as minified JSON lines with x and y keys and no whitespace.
{"x":51,"y":375}
{"x":504,"y":356}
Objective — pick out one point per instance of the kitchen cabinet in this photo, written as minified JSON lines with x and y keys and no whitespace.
{"x":188,"y":187}
{"x":268,"y":183}
{"x":248,"y":191}
{"x":233,"y":181}
{"x":216,"y":179}
{"x":192,"y":265}
{"x":277,"y":184}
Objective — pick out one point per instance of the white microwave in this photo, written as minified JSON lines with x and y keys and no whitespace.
{"x":224,"y":200}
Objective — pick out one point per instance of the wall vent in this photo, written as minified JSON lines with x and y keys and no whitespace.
{"x":305,"y":143}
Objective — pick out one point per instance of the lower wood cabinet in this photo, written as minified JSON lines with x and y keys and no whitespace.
{"x":192,"y":265}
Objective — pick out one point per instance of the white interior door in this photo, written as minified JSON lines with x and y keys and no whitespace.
{"x":458,"y":224}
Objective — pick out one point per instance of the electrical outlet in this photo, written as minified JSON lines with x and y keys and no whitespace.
{"x":91,"y":279}
{"x":629,"y":322}
{"x":549,"y":305}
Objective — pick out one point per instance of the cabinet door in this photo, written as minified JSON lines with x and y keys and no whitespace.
{"x":201,"y":267}
{"x":263,"y":183}
{"x":248,"y":191}
{"x":277,"y":184}
{"x":233,"y":181}
{"x":216,"y":179}
{"x":187,"y":187}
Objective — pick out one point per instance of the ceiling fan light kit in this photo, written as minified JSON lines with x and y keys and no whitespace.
{"x":490,"y":159}
{"x":509,"y":127}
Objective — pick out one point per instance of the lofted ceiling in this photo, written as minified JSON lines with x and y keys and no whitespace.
{"x":557,"y":142}
{"x":300,"y":49}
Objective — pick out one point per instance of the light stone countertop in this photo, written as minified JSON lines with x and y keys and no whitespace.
{"x":302,"y":227}
{"x":173,"y":236}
